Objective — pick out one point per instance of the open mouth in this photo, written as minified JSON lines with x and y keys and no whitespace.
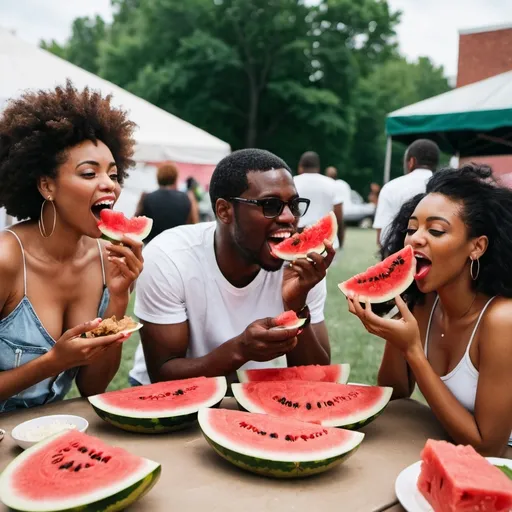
{"x":277,"y":237}
{"x":423,"y":266}
{"x":101,"y":205}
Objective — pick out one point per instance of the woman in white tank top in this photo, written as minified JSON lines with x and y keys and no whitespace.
{"x":454,"y":336}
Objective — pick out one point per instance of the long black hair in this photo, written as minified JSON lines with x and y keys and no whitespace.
{"x":486,"y":210}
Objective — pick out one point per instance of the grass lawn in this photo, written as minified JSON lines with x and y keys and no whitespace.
{"x":350,"y":343}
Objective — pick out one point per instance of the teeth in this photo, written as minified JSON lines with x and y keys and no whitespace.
{"x":282,"y":235}
{"x":106,"y":203}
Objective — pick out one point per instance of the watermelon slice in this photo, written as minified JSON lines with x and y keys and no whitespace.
{"x":313,"y":372}
{"x":310,"y":240}
{"x":71,"y":470}
{"x":114,"y":225}
{"x":159,"y":407}
{"x":325,"y":403}
{"x":385,"y":280}
{"x":276,"y":447}
{"x":288,"y":320}
{"x":457,"y":478}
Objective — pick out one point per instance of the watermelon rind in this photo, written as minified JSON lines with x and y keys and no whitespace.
{"x":347,"y":287}
{"x":108,"y":498}
{"x":299,"y":323}
{"x":114,"y":236}
{"x":320,"y":248}
{"x":244,"y":375}
{"x":277,"y":465}
{"x":352,"y":421}
{"x":159,"y":420}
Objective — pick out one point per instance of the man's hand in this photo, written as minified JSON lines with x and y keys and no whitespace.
{"x":260,"y":342}
{"x":302,"y":275}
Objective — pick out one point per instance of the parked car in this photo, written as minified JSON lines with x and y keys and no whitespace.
{"x":357,"y":212}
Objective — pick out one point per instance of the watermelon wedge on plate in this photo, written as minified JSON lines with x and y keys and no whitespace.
{"x":385,"y":280}
{"x":276,"y":447}
{"x":311,"y":239}
{"x":324,"y":403}
{"x":160,"y":407}
{"x":313,"y":372}
{"x":114,"y":225}
{"x":75,"y":471}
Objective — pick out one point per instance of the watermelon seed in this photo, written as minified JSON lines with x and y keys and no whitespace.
{"x":141,"y":398}
{"x":57,"y":460}
{"x":55,"y":455}
{"x":78,"y":468}
{"x":263,"y":433}
{"x":67,"y":465}
{"x":289,"y":438}
{"x":273,"y":435}
{"x":295,"y":405}
{"x":311,"y":436}
{"x":329,"y":403}
{"x":319,"y":405}
{"x":75,"y":445}
{"x":308,"y":406}
{"x":304,"y":437}
{"x":67,"y":449}
{"x":167,"y":394}
{"x":283,"y":400}
{"x":288,"y":403}
{"x":296,"y":242}
{"x":82,"y":449}
{"x":91,"y":453}
{"x":178,"y":392}
{"x":87,"y":465}
{"x":106,"y":459}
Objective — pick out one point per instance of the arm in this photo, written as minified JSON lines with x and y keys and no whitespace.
{"x":194,"y":208}
{"x":395,"y":373}
{"x":383,"y":213}
{"x":338,"y":211}
{"x":378,"y":237}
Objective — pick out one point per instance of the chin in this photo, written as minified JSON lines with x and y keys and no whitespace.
{"x":271,"y":264}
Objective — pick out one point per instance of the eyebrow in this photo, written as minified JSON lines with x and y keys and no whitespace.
{"x":96,"y":164}
{"x":433,"y":217}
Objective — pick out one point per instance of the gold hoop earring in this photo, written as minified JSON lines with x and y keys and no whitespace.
{"x":42,"y":229}
{"x":471,"y":270}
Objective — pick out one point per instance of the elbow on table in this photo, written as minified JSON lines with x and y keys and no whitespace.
{"x":490,"y":448}
{"x":399,"y":389}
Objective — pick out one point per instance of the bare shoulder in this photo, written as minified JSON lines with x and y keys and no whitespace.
{"x":496,"y":326}
{"x":11,"y":260}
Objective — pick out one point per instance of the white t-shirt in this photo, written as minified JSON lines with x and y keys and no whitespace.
{"x":182,"y":281}
{"x":323,"y":194}
{"x":342,"y":190}
{"x":395,"y":193}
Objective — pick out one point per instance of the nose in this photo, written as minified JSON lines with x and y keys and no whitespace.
{"x":107,"y":183}
{"x":286,"y":216}
{"x":417,"y":239}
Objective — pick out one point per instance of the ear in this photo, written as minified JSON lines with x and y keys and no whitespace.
{"x":411,"y":163}
{"x":46,"y":187}
{"x":479,"y":246}
{"x":224,"y":211}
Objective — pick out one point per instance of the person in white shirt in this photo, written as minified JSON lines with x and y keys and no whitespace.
{"x":319,"y":190}
{"x":420,"y":160}
{"x":209,"y":291}
{"x":342,"y":190}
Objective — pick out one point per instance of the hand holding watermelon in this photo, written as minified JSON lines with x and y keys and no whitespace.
{"x":403,"y":333}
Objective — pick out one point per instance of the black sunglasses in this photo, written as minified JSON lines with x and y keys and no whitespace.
{"x":273,"y":207}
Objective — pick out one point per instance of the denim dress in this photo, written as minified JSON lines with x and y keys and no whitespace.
{"x":23,"y":338}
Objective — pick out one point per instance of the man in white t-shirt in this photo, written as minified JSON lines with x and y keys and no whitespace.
{"x":209,"y":291}
{"x":420,"y":161}
{"x":342,"y":190}
{"x":320,"y":191}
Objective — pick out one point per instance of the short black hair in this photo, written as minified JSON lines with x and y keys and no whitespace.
{"x":37,"y":128}
{"x":229,"y":179}
{"x":426,"y":153}
{"x":310,"y":160}
{"x":486,"y":210}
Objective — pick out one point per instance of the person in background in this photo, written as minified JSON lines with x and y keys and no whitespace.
{"x":343,"y":189}
{"x":64,"y":154}
{"x":167,"y":206}
{"x":454,"y":337}
{"x":193,"y":191}
{"x":209,"y":292}
{"x":322,"y":195}
{"x":420,"y":160}
{"x":373,"y":196}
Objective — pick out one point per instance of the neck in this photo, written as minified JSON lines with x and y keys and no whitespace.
{"x":168,"y":187}
{"x":457,"y":298}
{"x":232,"y":264}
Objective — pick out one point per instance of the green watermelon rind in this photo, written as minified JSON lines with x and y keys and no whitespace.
{"x":117,"y":501}
{"x":288,"y":255}
{"x":347,"y":287}
{"x":245,"y":404}
{"x":114,"y":236}
{"x":169,"y":421}
{"x":276,"y":468}
{"x":243,"y":375}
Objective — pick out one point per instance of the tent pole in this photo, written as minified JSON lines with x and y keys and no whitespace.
{"x":387,"y":162}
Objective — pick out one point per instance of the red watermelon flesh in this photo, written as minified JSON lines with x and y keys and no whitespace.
{"x":288,"y":320}
{"x":314,"y":372}
{"x":385,"y":280}
{"x":114,"y":225}
{"x":311,"y":239}
{"x":324,"y":403}
{"x":458,"y":479}
{"x":261,"y":433}
{"x":71,"y":468}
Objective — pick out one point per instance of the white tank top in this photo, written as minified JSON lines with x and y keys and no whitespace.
{"x":462,"y":381}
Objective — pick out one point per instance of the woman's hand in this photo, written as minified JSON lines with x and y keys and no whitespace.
{"x":403,"y":333}
{"x":71,"y":350}
{"x":125,"y":263}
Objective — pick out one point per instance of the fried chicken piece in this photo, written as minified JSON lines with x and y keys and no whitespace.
{"x":111,"y":326}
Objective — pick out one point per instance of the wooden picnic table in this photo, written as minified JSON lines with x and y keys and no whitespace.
{"x":194,"y":478}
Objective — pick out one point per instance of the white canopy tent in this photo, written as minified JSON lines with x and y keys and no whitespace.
{"x":160,"y":135}
{"x":472,"y":120}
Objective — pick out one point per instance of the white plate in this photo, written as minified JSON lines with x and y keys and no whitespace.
{"x":18,"y":430}
{"x":406,"y":487}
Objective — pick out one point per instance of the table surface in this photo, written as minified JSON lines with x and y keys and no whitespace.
{"x":195,"y":478}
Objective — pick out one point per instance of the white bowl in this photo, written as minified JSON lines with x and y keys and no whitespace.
{"x":20,"y":433}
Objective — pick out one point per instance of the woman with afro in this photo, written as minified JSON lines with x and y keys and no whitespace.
{"x":64,"y":154}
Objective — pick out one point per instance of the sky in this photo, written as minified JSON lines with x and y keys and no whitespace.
{"x":428,"y":27}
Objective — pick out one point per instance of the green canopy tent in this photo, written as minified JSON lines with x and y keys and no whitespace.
{"x":474,"y":120}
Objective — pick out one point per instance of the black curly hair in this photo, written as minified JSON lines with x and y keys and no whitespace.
{"x":486,"y":209}
{"x":229,"y":179}
{"x":37,"y":128}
